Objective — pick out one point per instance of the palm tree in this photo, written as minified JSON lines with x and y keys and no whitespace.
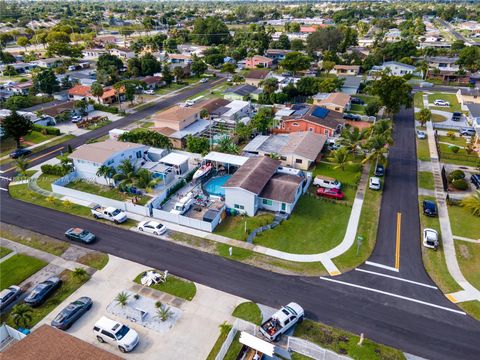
{"x":377,"y":146}
{"x":126,"y":173}
{"x":144,"y":179}
{"x":122,"y":298}
{"x":424,"y":116}
{"x":164,"y":313}
{"x":22,"y":165}
{"x":80,"y":273}
{"x":340,"y":157}
{"x":472,"y":203}
{"x":22,"y":315}
{"x":106,"y":172}
{"x":352,"y":138}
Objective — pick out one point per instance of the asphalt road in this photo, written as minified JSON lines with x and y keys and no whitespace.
{"x":417,"y":319}
{"x":53,"y":151}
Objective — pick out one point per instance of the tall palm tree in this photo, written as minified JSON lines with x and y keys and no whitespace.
{"x":352,"y":139}
{"x":340,"y":157}
{"x":22,"y":315}
{"x":126,"y":173}
{"x":472,"y":203}
{"x":145,"y":180}
{"x":21,"y":165}
{"x":377,"y":147}
{"x":106,"y":172}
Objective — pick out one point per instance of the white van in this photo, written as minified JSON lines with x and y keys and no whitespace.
{"x":110,"y":331}
{"x":326,"y":182}
{"x":182,"y":206}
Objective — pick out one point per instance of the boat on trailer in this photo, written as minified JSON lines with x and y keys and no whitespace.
{"x":202,"y":171}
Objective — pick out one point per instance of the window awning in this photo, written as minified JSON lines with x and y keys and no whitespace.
{"x":257,"y":344}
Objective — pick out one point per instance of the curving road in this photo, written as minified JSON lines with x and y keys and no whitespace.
{"x":410,"y":315}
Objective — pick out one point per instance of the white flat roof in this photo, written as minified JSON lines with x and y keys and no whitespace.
{"x":257,"y":344}
{"x":174,"y":159}
{"x":256,"y":142}
{"x":226,"y":158}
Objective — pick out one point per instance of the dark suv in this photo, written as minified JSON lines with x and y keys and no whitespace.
{"x":42,"y":291}
{"x":475,"y":179}
{"x":429,"y":208}
{"x":20,"y":152}
{"x":456,"y":116}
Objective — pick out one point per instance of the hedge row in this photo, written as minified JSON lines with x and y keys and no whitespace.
{"x":46,"y":130}
{"x":58,"y":170}
{"x":109,"y":109}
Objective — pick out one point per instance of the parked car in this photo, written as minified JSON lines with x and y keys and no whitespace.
{"x":79,"y":234}
{"x":353,"y":117}
{"x":152,"y":227}
{"x":42,"y":291}
{"x":67,"y":317}
{"x":330,"y":193}
{"x":421,"y":135}
{"x":183,"y":205}
{"x":110,"y":331}
{"x":281,"y":321}
{"x":379,"y":170}
{"x":9,"y":295}
{"x":440,"y":102}
{"x":326,"y":182}
{"x":456,"y":116}
{"x":430,"y":238}
{"x":189,"y":103}
{"x":109,"y":213}
{"x":429,"y":208}
{"x":204,"y":80}
{"x":375,"y":183}
{"x":20,"y":152}
{"x":467,"y":131}
{"x":149,"y":92}
{"x":76,"y":118}
{"x":475,"y":179}
{"x":425,"y":84}
{"x":355,"y":100}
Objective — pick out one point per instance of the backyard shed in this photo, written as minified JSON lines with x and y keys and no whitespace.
{"x":178,"y":161}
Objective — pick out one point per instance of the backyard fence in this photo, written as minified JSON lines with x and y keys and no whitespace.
{"x":238,"y":325}
{"x":313,"y":351}
{"x":187,"y":221}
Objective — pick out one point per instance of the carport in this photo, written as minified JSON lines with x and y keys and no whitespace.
{"x":226,"y":160}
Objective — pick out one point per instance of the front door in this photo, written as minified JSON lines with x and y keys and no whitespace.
{"x":284,"y":206}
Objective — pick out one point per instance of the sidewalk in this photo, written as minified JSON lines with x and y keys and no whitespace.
{"x":325,"y":258}
{"x":469,"y":292}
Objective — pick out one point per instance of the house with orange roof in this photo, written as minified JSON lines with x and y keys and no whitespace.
{"x":258,"y":61}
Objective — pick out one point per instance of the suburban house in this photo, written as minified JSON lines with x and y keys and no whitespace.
{"x":242,"y":92}
{"x":256,"y":76}
{"x":446,"y":69}
{"x":298,"y":150}
{"x":276,"y":54}
{"x":351,"y":70}
{"x":20,"y":67}
{"x":333,"y":101}
{"x":48,"y":63}
{"x":258,"y":61}
{"x":109,"y":96}
{"x":466,"y":96}
{"x":43,"y":120}
{"x":258,"y":184}
{"x":189,"y":49}
{"x":56,"y":108}
{"x":396,"y":68}
{"x":153,"y":82}
{"x":393,"y":35}
{"x":79,"y":92}
{"x":316,"y":119}
{"x":229,"y":111}
{"x":90,"y":54}
{"x":351,"y":84}
{"x":179,"y":59}
{"x":105,"y":39}
{"x":88,"y":158}
{"x":443,"y":63}
{"x":122,"y":53}
{"x":21,"y":88}
{"x":473,"y":117}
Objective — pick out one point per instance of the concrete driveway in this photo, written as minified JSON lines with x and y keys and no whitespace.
{"x":192,"y":336}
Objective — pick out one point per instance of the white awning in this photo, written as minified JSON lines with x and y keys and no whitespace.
{"x":174,"y":159}
{"x":257,"y":344}
{"x":226,"y":158}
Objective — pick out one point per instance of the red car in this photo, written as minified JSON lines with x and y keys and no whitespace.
{"x":330,"y":193}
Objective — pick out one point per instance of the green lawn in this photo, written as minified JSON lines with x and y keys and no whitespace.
{"x":105,"y":191}
{"x":357,"y":109}
{"x":234,"y":348}
{"x":99,"y":124}
{"x":248,"y":311}
{"x":367,"y":229}
{"x":459,"y":158}
{"x":344,"y":342}
{"x":457,"y":140}
{"x":297,"y":356}
{"x":434,"y":261}
{"x":238,"y":253}
{"x":367,"y":98}
{"x":17,"y":268}
{"x":96,"y":260}
{"x":146,"y":124}
{"x":70,"y":284}
{"x":423,"y":151}
{"x":425,"y":180}
{"x":435,"y":118}
{"x":7,"y":145}
{"x":175,"y":286}
{"x":468,"y":255}
{"x":349,"y":176}
{"x":45,"y":181}
{"x":224,"y":330}
{"x":451,"y":98}
{"x":463,"y":222}
{"x":418,"y":100}
{"x":4,"y":251}
{"x":471,"y":307}
{"x":234,"y":226}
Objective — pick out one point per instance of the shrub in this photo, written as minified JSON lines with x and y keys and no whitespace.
{"x":109,"y":109}
{"x":451,"y":134}
{"x":455,"y":175}
{"x":460,"y":184}
{"x":57,"y":170}
{"x":47,"y":130}
{"x":455,"y":149}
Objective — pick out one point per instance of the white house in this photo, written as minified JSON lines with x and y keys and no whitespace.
{"x":396,"y":68}
{"x":258,"y":184}
{"x":88,"y":158}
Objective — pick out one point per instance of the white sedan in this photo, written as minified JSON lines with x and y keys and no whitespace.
{"x":152,"y":227}
{"x":440,"y":102}
{"x":430,"y":238}
{"x":375,"y":183}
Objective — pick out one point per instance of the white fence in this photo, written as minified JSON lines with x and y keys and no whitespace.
{"x":238,"y":325}
{"x":187,"y":221}
{"x":313,"y":351}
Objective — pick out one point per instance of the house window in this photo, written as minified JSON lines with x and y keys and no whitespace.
{"x":284,"y":206}
{"x":139,"y":154}
{"x":283,"y":158}
{"x":326,"y":132}
{"x":267,"y":202}
{"x":110,"y":162}
{"x":239,"y":207}
{"x":310,"y":129}
{"x":295,"y":124}
{"x":298,"y":161}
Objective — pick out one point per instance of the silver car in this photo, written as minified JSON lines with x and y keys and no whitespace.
{"x":9,"y":295}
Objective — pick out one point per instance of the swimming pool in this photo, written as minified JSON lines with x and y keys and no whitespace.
{"x":214,"y":186}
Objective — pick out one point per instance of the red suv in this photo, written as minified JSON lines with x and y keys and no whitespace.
{"x":330,"y":193}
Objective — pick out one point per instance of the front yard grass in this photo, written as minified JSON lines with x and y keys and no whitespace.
{"x":418,"y":100}
{"x":96,"y":260}
{"x":4,"y":251}
{"x":423,"y":151}
{"x":425,"y":180}
{"x":17,"y":268}
{"x":234,"y":226}
{"x":344,"y":342}
{"x":349,"y":176}
{"x":34,"y":240}
{"x":99,"y":124}
{"x":45,"y":181}
{"x":468,"y":255}
{"x":451,"y":98}
{"x":70,"y":284}
{"x":463,"y":222}
{"x":8,"y":144}
{"x":248,"y":311}
{"x":357,"y":109}
{"x":174,"y":286}
{"x":224,"y":330}
{"x":105,"y":191}
{"x":459,"y":158}
{"x":457,"y":140}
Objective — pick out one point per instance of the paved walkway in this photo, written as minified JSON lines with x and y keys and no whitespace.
{"x":469,"y":292}
{"x":325,"y":258}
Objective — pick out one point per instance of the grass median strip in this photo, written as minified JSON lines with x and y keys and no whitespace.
{"x":18,"y":268}
{"x":4,"y":251}
{"x":248,"y":311}
{"x":425,"y":180}
{"x":174,"y":286}
{"x":96,"y":260}
{"x":224,"y":330}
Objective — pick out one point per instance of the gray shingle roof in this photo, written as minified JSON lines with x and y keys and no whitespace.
{"x":281,"y":187}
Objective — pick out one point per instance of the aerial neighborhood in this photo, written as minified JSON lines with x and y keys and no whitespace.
{"x":240,"y":180}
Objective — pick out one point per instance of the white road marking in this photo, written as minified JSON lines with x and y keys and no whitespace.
{"x":3,"y":189}
{"x":397,"y":278}
{"x":391,"y":268}
{"x":393,"y":295}
{"x":5,"y":178}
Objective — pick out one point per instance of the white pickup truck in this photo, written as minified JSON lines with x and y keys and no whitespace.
{"x":282,"y":321}
{"x":109,"y":213}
